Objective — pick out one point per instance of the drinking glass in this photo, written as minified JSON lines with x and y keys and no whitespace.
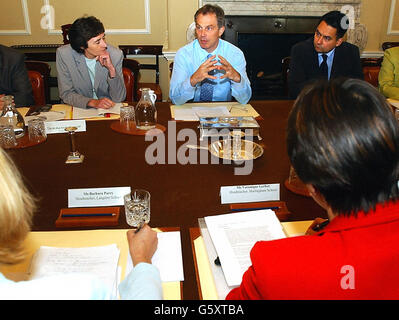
{"x":236,"y":135}
{"x":37,"y":130}
{"x":137,"y":207}
{"x":7,"y":136}
{"x":127,"y":116}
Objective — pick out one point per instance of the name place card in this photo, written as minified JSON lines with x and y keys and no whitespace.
{"x":97,"y":197}
{"x":250,"y":193}
{"x":59,"y":126}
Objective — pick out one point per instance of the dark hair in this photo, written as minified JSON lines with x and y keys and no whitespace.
{"x":213,"y":9}
{"x":338,"y":21}
{"x":343,"y":138}
{"x":82,"y":30}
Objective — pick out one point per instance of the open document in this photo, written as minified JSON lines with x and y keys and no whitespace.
{"x":234,"y":235}
{"x":80,"y":113}
{"x":99,"y":261}
{"x":194,"y":113}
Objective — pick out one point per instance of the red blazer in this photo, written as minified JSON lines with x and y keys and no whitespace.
{"x":351,"y":258}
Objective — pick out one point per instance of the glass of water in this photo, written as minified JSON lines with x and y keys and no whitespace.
{"x":37,"y":130}
{"x":137,"y":207}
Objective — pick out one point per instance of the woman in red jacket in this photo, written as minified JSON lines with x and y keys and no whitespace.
{"x":343,"y":142}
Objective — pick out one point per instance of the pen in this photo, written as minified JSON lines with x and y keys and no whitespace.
{"x":320,"y":226}
{"x":75,"y":215}
{"x":139,"y":227}
{"x":250,"y":209}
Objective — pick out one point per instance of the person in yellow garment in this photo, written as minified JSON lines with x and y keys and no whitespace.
{"x":16,"y":212}
{"x":388,"y":78}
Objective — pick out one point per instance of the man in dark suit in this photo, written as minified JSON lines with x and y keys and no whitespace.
{"x":326,"y":55}
{"x":14,"y":78}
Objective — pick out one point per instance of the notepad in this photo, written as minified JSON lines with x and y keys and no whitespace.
{"x":234,"y":235}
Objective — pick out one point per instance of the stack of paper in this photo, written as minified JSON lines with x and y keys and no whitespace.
{"x":233,"y":236}
{"x":99,"y":261}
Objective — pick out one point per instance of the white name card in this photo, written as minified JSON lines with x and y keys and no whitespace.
{"x":59,"y":126}
{"x":250,"y":193}
{"x":96,"y":197}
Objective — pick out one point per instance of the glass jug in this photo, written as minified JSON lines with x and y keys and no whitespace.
{"x":10,"y":116}
{"x":145,"y":112}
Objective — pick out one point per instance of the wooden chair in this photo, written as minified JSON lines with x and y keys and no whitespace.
{"x":371,"y":68}
{"x":155,"y":50}
{"x":65,"y":30}
{"x":130,"y":69}
{"x":39,"y":73}
{"x":37,"y":87}
{"x":128,"y":78}
{"x":388,"y":45}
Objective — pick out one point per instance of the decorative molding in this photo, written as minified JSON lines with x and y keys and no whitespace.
{"x":24,"y":32}
{"x":283,"y":7}
{"x":147,"y":30}
{"x":169,"y":55}
{"x":390,"y":31}
{"x":299,"y":8}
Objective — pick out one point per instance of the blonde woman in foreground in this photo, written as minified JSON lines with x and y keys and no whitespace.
{"x":16,"y":212}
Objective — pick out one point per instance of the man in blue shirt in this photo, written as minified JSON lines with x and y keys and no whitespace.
{"x":209,"y":68}
{"x":326,"y":55}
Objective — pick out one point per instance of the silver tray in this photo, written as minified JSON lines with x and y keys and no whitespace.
{"x":224,"y":149}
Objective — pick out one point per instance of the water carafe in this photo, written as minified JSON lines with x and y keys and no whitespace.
{"x":11,"y":117}
{"x":145,"y":111}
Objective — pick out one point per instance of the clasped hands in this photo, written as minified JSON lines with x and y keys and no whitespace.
{"x":210,"y":65}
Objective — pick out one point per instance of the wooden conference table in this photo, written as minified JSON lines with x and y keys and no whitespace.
{"x":180,"y":194}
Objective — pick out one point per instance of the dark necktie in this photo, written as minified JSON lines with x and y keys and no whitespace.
{"x":324,"y":67}
{"x":206,"y":93}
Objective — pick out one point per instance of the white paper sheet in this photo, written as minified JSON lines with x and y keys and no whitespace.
{"x":234,"y":235}
{"x":80,"y":113}
{"x":100,"y":261}
{"x":167,"y":258}
{"x":195,"y":113}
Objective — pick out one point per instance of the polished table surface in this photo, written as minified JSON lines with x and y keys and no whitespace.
{"x":180,"y":193}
